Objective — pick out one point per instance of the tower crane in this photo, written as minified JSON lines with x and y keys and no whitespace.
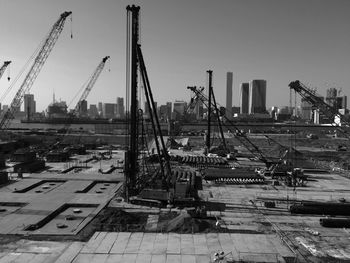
{"x":37,"y":65}
{"x":3,"y":68}
{"x":90,"y":84}
{"x":329,"y":111}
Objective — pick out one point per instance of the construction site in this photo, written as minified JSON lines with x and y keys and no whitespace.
{"x":230,"y":194}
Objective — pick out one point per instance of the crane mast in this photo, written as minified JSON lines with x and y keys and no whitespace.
{"x":39,"y":61}
{"x":3,"y":68}
{"x":90,"y":84}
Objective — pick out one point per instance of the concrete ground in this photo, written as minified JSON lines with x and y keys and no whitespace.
{"x":252,"y":232}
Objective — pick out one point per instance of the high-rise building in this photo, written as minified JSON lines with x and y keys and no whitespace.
{"x":179,"y":109}
{"x":83,"y":108}
{"x":93,"y":111}
{"x":228,"y":113}
{"x":198,"y":110}
{"x":120,"y":112}
{"x":244,"y":101}
{"x":342,"y":102}
{"x":100,"y":108}
{"x":29,"y":105}
{"x":257,"y":96}
{"x":108,"y":110}
{"x":169,"y":110}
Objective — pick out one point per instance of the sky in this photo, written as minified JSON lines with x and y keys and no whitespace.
{"x":276,"y":40}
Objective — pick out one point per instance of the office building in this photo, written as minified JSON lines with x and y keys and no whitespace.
{"x":29,"y":105}
{"x":120,"y":111}
{"x":179,"y":109}
{"x":229,"y":80}
{"x":257,"y":96}
{"x":244,"y":100}
{"x":93,"y":111}
{"x":108,"y":110}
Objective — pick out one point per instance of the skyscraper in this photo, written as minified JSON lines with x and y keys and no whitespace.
{"x":120,"y":112}
{"x":169,"y":108}
{"x":228,"y":112}
{"x":29,"y":105}
{"x":257,"y":96}
{"x":244,"y":100}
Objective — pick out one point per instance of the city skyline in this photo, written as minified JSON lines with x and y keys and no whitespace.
{"x":279,"y":41}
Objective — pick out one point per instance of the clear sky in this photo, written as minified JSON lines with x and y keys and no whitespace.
{"x":276,"y":40}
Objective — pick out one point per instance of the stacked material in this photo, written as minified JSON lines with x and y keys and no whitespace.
{"x":321,"y":208}
{"x":236,"y":176}
{"x":335,"y":222}
{"x":204,"y":161}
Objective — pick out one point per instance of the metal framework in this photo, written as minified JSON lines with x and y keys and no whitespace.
{"x":3,"y":68}
{"x":90,"y":84}
{"x":39,"y":61}
{"x":132,"y":80}
{"x":327,"y":110}
{"x":239,"y":135}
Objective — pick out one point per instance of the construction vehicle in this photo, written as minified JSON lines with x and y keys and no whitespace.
{"x":153,"y":185}
{"x":37,"y":65}
{"x":3,"y":68}
{"x":210,"y":102}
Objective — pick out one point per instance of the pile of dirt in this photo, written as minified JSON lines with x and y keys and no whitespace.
{"x":184,"y":223}
{"x":114,"y":219}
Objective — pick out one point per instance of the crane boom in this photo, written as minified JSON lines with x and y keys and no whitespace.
{"x":91,"y":83}
{"x":39,"y":61}
{"x":329,"y":111}
{"x":241,"y":136}
{"x":3,"y":67}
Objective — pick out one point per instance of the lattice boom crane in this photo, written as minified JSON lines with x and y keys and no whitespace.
{"x":39,"y":61}
{"x":329,"y":111}
{"x":90,"y":84}
{"x":241,"y":136}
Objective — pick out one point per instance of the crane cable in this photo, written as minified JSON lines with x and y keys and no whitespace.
{"x":24,"y":68}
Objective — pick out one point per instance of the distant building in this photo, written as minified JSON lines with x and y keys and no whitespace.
{"x":244,"y":100}
{"x":229,"y":77}
{"x":93,"y":111}
{"x":198,"y":110}
{"x":120,"y":111}
{"x":336,"y":101}
{"x":179,"y":109}
{"x":29,"y":105}
{"x":57,"y":110}
{"x":83,"y":111}
{"x":306,"y":110}
{"x":169,"y":110}
{"x":146,"y":112}
{"x":163,"y":113}
{"x":257,"y":96}
{"x":108,"y":110}
{"x":99,"y":107}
